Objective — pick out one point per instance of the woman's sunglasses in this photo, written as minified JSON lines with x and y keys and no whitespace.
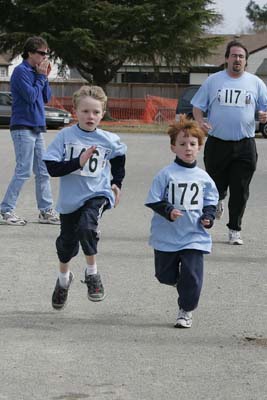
{"x":42,"y":53}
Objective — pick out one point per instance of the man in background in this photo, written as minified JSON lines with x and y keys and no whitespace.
{"x":231,"y":98}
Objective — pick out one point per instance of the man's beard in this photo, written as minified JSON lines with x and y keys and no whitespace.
{"x":236,"y":67}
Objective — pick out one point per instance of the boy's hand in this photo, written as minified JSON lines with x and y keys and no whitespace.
{"x":175,"y":214}
{"x":262,"y":116}
{"x":85,"y":155}
{"x":117,"y":193}
{"x":207,"y":223}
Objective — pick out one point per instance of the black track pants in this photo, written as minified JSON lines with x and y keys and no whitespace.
{"x":231,"y":164}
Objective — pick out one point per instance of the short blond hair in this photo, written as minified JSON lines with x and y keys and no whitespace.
{"x":190,"y":127}
{"x":96,"y":92}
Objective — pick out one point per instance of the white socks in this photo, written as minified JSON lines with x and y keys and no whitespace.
{"x":64,"y":278}
{"x":91,"y":269}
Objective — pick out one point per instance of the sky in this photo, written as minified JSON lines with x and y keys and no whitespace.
{"x":234,"y":13}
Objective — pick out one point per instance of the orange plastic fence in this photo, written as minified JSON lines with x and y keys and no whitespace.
{"x":126,"y":108}
{"x":151,"y":109}
{"x":159,"y":109}
{"x":62,"y":102}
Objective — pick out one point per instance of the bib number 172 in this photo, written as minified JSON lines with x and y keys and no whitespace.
{"x":186,"y":196}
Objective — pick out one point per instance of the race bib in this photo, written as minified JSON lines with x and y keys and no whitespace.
{"x":186,"y":196}
{"x":94,"y":165}
{"x":232,"y":97}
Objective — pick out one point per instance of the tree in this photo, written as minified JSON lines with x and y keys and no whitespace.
{"x":97,"y":37}
{"x":257,"y":15}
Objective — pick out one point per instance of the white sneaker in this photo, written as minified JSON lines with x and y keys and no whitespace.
{"x":235,"y":237}
{"x":49,"y":217}
{"x":219,"y":210}
{"x":10,"y":218}
{"x":184,"y":319}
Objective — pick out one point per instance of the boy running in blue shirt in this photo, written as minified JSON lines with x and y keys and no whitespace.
{"x":84,"y":157}
{"x":183,"y":198}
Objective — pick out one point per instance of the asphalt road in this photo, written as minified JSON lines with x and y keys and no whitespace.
{"x":125,"y":348}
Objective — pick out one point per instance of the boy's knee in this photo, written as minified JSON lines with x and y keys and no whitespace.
{"x":86,"y":233}
{"x":167,"y":278}
{"x":88,"y":239}
{"x":66,"y":251}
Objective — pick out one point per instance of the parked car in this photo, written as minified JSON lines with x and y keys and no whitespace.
{"x":55,"y":117}
{"x":184,"y":107}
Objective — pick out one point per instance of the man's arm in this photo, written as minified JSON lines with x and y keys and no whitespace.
{"x":199,"y":117}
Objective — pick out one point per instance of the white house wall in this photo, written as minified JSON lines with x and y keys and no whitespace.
{"x":255,"y":60}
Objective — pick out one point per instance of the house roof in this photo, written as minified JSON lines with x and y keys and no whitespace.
{"x":253,"y":42}
{"x":262,"y":70}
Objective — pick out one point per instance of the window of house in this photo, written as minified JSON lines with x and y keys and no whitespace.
{"x":3,"y":72}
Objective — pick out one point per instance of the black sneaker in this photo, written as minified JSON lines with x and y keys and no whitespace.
{"x":95,"y":287}
{"x":60,"y":294}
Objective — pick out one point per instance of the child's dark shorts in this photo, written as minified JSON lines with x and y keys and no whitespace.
{"x":168,"y":265}
{"x":80,"y":227}
{"x":183,"y":269}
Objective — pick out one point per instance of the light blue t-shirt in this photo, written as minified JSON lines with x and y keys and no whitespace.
{"x":94,"y":178}
{"x":231,"y":104}
{"x":189,"y":190}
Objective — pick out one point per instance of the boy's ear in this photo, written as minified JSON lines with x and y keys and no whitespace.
{"x":104,"y":112}
{"x":173,"y":148}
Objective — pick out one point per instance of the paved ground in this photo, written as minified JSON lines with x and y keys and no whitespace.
{"x":126,"y":348}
